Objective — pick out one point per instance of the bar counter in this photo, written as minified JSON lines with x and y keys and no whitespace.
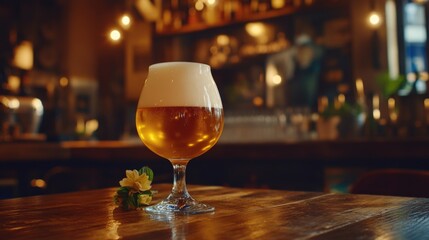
{"x":334,"y":152}
{"x":239,"y":214}
{"x":276,"y":165}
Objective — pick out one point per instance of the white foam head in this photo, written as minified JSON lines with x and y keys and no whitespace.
{"x":180,"y":84}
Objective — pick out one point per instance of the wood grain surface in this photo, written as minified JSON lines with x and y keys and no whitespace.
{"x":240,"y":214}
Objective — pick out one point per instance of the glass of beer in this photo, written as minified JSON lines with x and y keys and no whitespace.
{"x":179,"y":117}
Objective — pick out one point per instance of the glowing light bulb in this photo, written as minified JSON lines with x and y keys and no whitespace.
{"x":125,"y":21}
{"x":115,"y":35}
{"x":374,"y":19}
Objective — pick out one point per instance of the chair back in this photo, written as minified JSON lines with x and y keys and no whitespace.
{"x":393,"y":182}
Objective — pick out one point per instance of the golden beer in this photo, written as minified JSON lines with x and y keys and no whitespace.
{"x":179,"y":132}
{"x":179,"y":116}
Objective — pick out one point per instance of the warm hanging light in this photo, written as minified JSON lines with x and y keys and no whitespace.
{"x":115,"y":35}
{"x":125,"y":21}
{"x":374,"y":19}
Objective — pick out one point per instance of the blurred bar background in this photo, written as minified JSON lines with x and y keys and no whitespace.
{"x":302,"y":81}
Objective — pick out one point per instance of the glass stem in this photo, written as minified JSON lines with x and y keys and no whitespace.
{"x":179,"y":185}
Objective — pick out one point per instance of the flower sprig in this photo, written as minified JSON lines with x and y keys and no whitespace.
{"x":135,"y":191}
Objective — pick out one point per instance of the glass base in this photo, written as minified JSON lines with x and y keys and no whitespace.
{"x":180,"y":206}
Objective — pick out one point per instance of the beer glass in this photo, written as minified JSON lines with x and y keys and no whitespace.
{"x":179,"y":117}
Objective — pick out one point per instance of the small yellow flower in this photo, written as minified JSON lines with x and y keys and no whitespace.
{"x":136,"y":181}
{"x":145,"y":199}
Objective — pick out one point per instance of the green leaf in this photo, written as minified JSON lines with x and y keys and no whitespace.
{"x":134,"y":200}
{"x":147,"y":171}
{"x":124,"y":203}
{"x":389,"y":85}
{"x":129,"y":204}
{"x":122,"y":192}
{"x":147,"y":192}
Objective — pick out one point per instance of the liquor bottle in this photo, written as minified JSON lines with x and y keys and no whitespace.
{"x":278,"y":4}
{"x":370,"y":124}
{"x":3,"y":78}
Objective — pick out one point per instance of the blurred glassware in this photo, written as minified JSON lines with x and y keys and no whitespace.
{"x":267,"y":125}
{"x":20,"y":116}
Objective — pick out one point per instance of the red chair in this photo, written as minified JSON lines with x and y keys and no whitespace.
{"x":394,"y":182}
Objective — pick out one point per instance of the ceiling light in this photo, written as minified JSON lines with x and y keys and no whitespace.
{"x":374,"y":19}
{"x":125,"y":21}
{"x":115,"y":35}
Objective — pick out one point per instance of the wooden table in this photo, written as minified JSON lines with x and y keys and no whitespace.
{"x":240,"y":214}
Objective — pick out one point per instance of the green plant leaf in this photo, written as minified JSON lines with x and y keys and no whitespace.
{"x":147,"y":171}
{"x":389,"y":85}
{"x":147,"y":192}
{"x":123,"y":192}
{"x":136,"y":201}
